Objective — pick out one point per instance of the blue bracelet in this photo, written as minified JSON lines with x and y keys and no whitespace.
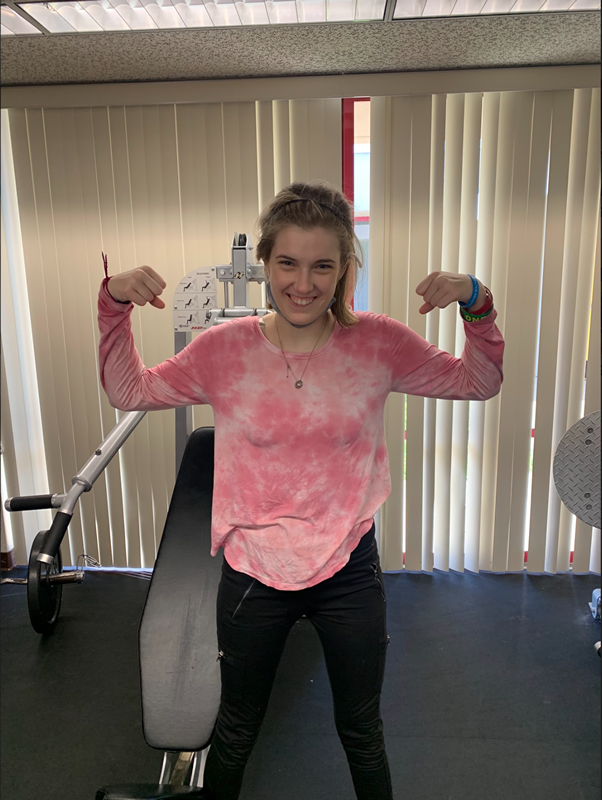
{"x":475,"y":293}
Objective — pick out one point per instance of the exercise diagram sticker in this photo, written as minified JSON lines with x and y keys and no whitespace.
{"x":195,"y":295}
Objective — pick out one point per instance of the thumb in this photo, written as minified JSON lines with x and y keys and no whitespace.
{"x":157,"y":303}
{"x":425,"y":308}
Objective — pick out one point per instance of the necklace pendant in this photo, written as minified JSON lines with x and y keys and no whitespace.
{"x":299,"y":384}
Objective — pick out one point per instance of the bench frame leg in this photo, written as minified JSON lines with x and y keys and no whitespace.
{"x":183,"y":769}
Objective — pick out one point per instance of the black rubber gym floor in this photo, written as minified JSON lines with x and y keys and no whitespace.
{"x":492,"y":692}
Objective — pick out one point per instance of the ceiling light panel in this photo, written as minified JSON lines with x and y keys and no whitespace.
{"x":13,"y":24}
{"x":103,"y":13}
{"x":438,"y":8}
{"x":370,"y":9}
{"x":406,"y":9}
{"x":96,"y":16}
{"x":557,"y":5}
{"x":87,"y":16}
{"x":467,"y":7}
{"x":341,"y":10}
{"x":49,"y":17}
{"x":497,"y":6}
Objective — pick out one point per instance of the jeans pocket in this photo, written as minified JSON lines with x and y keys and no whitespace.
{"x":379,"y":578}
{"x":232,"y":672}
{"x":243,"y":598}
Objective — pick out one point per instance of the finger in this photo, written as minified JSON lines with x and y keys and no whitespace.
{"x":425,"y":283}
{"x":158,"y":303}
{"x":155,"y":275}
{"x":447,"y":299}
{"x":136,"y":298}
{"x":153,"y":285}
{"x":425,"y":308}
{"x":140,"y":288}
{"x":440,"y":298}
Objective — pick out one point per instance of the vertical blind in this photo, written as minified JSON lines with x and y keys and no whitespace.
{"x":505,"y":186}
{"x":502,"y":185}
{"x":162,"y":185}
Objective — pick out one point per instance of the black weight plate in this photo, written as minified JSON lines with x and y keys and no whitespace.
{"x":43,"y":597}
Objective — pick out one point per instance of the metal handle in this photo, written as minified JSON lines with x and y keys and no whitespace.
{"x":33,"y":502}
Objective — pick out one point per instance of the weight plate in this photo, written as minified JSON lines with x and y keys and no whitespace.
{"x":577,"y":469}
{"x":43,"y":597}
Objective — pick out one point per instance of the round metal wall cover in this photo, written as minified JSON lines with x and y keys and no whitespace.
{"x":577,"y":469}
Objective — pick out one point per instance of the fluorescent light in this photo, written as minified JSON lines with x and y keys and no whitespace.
{"x":409,"y":8}
{"x":73,"y":16}
{"x":497,"y":6}
{"x":340,"y":10}
{"x":163,"y":14}
{"x":252,"y":12}
{"x":12,"y":23}
{"x":311,"y":10}
{"x":281,"y":12}
{"x":223,"y":14}
{"x":370,"y":9}
{"x":438,"y":8}
{"x":194,"y":14}
{"x":557,"y":5}
{"x":406,"y":9}
{"x":135,"y":15}
{"x":105,"y":15}
{"x":76,"y":16}
{"x":48,"y":16}
{"x":526,"y":5}
{"x":468,"y":7}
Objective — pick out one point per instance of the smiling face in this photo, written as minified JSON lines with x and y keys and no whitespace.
{"x":303,"y":271}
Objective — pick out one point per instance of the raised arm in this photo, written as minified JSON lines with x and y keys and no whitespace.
{"x":420,"y":368}
{"x":182,"y":380}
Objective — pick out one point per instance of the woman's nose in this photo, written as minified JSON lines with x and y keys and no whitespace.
{"x":303,"y":284}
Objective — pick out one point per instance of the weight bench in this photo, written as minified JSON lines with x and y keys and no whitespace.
{"x":179,"y":670}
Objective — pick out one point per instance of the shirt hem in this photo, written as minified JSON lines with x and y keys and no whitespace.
{"x":295,"y":587}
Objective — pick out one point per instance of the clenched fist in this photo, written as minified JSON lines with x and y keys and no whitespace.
{"x":140,"y":286}
{"x":440,"y":289}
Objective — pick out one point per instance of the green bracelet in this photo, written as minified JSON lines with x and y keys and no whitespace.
{"x":473,"y":317}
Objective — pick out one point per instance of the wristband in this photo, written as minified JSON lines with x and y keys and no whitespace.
{"x":486,"y":305}
{"x":105,"y":283}
{"x":473,"y":317}
{"x":475,"y":293}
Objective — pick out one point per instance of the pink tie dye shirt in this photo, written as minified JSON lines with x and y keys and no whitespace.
{"x":299,"y":473}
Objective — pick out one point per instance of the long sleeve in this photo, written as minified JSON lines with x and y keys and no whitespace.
{"x":182,"y":380}
{"x":420,"y":368}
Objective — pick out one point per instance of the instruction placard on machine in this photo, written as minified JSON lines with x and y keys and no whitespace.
{"x":194,"y":296}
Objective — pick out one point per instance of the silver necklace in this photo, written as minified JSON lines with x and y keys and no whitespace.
{"x":298,"y":381}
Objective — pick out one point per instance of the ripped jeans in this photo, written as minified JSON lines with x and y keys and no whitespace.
{"x":348,"y":612}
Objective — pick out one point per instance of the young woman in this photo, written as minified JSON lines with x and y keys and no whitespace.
{"x":301,"y":462}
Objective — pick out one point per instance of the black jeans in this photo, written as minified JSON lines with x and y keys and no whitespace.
{"x":253,"y":621}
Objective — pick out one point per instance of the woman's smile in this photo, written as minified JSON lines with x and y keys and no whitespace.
{"x":300,"y":302}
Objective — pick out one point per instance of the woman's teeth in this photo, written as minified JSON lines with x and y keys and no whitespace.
{"x":300,"y":302}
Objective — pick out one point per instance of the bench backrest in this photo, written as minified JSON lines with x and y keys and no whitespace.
{"x":178,"y":635}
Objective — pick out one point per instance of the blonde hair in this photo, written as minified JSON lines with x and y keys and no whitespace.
{"x":324,"y":207}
